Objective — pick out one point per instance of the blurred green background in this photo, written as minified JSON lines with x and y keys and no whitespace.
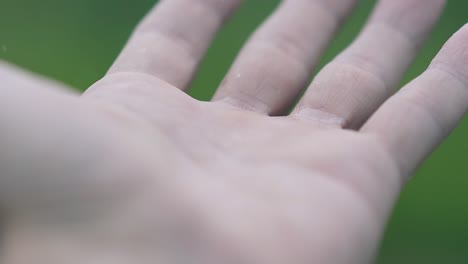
{"x":75,"y":41}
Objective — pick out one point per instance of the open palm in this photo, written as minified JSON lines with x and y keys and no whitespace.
{"x":136,"y":171}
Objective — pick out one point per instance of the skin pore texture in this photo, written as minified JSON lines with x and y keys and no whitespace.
{"x":136,"y":171}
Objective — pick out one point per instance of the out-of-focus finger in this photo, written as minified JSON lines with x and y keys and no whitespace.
{"x":172,"y":39}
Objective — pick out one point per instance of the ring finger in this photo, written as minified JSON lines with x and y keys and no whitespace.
{"x":349,"y":89}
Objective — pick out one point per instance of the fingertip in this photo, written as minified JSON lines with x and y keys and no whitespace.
{"x":459,"y":39}
{"x":453,"y":57}
{"x":463,"y":31}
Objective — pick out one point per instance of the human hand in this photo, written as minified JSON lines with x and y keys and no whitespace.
{"x":136,"y":171}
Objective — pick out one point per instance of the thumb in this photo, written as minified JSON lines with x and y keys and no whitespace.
{"x":50,"y":146}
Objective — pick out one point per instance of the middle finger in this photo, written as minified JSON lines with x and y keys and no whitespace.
{"x":276,"y":63}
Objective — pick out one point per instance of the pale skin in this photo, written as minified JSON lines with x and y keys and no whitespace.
{"x":136,"y":171}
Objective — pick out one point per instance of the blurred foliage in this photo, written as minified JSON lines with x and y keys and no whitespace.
{"x":76,"y":41}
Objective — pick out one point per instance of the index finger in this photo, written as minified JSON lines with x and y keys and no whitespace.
{"x":172,"y":39}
